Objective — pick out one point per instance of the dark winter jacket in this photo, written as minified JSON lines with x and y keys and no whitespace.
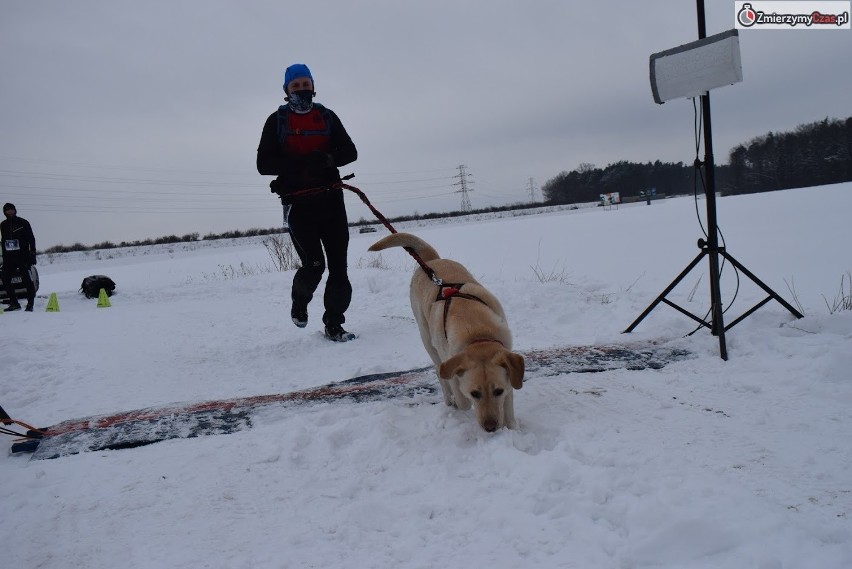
{"x":18,"y":241}
{"x":303,"y":150}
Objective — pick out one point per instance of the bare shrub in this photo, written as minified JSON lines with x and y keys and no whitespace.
{"x":791,"y":286}
{"x":843,"y":299}
{"x":553,"y":275}
{"x":373,"y":262}
{"x":229,"y":272}
{"x":282,"y":252}
{"x":543,"y":276}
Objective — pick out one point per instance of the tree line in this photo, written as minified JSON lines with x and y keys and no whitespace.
{"x":189,"y":237}
{"x":811,"y":155}
{"x":255,"y":231}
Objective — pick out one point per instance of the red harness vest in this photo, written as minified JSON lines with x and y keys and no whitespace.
{"x":301,"y":134}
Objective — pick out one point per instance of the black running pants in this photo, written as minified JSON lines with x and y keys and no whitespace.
{"x":314,"y":228}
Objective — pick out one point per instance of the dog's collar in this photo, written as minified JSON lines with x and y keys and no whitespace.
{"x":481,"y":340}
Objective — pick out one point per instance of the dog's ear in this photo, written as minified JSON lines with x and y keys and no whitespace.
{"x":514,"y":364}
{"x":452,"y":366}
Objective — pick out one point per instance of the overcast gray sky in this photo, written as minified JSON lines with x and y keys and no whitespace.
{"x":123,"y":120}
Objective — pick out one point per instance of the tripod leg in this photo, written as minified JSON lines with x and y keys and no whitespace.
{"x":4,"y":417}
{"x":665,"y":293}
{"x":760,"y":283}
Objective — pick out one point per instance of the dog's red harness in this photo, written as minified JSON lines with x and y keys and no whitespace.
{"x":446,"y":293}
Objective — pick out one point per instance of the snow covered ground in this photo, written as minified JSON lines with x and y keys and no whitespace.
{"x":702,"y":464}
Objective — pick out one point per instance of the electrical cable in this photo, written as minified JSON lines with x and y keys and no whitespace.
{"x":698,"y":118}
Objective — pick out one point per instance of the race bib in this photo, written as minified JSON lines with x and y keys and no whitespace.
{"x":12,"y":245}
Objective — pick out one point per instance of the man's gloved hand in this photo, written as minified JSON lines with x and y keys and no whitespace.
{"x":318,"y":160}
{"x":276,"y":187}
{"x":32,"y":258}
{"x":320,"y":169}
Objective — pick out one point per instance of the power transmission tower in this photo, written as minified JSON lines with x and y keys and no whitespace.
{"x":532,"y":190}
{"x":463,"y":184}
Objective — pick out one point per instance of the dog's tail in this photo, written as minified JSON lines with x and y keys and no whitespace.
{"x":409,"y":241}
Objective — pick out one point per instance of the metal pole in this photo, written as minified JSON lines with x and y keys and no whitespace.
{"x":718,"y":326}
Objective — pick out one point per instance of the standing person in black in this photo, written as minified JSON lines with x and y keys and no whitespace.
{"x":19,"y":254}
{"x":303,"y":143}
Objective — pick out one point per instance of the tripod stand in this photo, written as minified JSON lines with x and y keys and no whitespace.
{"x":716,"y":325}
{"x":710,"y":247}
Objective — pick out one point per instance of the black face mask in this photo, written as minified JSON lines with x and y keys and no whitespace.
{"x":301,"y":101}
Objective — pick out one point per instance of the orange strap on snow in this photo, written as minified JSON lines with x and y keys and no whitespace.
{"x":5,"y":420}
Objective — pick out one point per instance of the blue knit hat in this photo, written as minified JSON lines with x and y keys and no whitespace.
{"x":295,"y":71}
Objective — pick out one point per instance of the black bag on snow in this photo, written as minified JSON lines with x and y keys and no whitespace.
{"x":92,"y":286}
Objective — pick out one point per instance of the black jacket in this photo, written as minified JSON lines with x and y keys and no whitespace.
{"x":18,"y":240}
{"x":276,"y":156}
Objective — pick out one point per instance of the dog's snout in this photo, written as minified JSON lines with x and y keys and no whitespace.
{"x":489,"y":425}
